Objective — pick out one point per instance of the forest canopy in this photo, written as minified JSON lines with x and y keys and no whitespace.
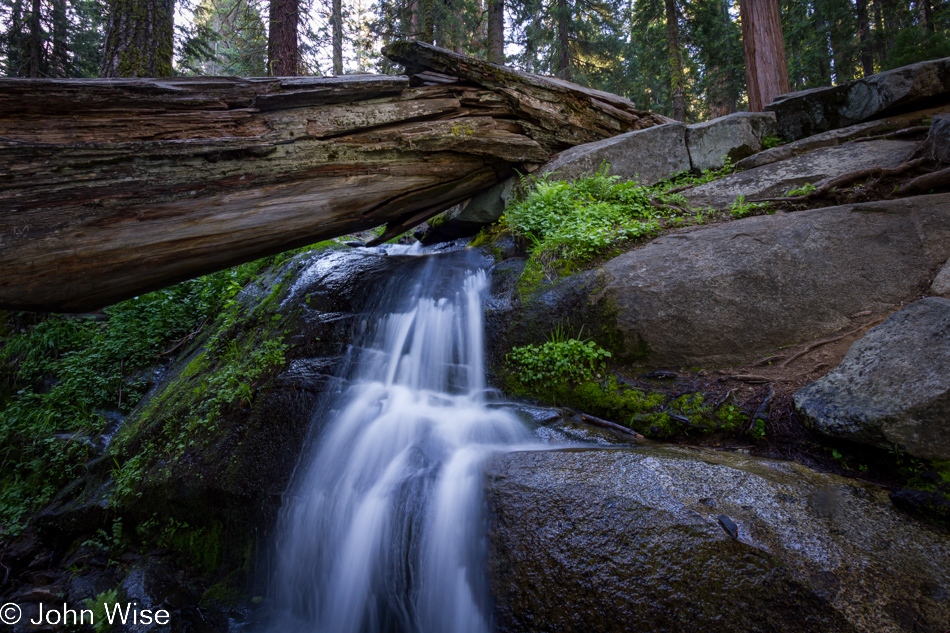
{"x":682,"y":58}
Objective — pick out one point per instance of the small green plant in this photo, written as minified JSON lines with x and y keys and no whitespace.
{"x":757,"y":430}
{"x":98,"y":607}
{"x":771,"y":141}
{"x":740,"y":208}
{"x":804,"y":190}
{"x":558,"y":361}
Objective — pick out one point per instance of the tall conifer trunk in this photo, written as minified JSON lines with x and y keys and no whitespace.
{"x":765,"y":67}
{"x":676,"y":63}
{"x":563,"y":39}
{"x":496,"y":31}
{"x":36,"y":39}
{"x":139,"y":39}
{"x":282,"y":57}
{"x":864,"y":35}
{"x":337,"y":19}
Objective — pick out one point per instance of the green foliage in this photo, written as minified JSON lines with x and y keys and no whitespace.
{"x":757,"y":430}
{"x":740,"y":208}
{"x":570,"y":223}
{"x":771,"y":141}
{"x":63,"y":375}
{"x":558,"y":361}
{"x":804,"y":190}
{"x":576,"y":221}
{"x":201,"y":546}
{"x":98,"y":607}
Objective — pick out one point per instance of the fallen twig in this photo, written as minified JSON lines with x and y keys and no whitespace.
{"x":609,"y":425}
{"x":755,"y":378}
{"x":818,"y":344}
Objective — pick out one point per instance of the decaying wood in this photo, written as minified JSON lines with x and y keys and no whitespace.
{"x":111,"y":188}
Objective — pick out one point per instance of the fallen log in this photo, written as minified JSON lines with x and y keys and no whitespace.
{"x":112,"y":188}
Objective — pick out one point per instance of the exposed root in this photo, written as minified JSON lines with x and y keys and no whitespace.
{"x":933,"y":180}
{"x":818,"y":344}
{"x":848,"y":178}
{"x":907,"y":131}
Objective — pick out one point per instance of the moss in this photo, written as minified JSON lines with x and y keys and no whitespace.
{"x":653,"y":414}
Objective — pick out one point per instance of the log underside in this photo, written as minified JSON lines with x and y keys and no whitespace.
{"x":112,"y":188}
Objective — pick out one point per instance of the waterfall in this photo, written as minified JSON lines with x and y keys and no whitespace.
{"x":384,"y":529}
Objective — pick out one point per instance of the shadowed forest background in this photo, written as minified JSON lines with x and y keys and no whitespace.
{"x":629,"y":47}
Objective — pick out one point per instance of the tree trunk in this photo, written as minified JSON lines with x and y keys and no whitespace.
{"x":564,"y":40}
{"x":427,"y":20}
{"x":36,"y":39}
{"x":59,"y":58}
{"x":496,"y":31}
{"x":927,"y":15}
{"x":864,"y":34}
{"x":766,"y":72}
{"x":337,"y":19}
{"x":676,"y":63}
{"x":139,"y":39}
{"x":179,"y":177}
{"x":282,"y":56}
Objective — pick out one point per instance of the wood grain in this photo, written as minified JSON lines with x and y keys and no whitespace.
{"x":112,"y":188}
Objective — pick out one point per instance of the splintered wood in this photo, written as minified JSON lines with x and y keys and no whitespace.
{"x":112,"y":188}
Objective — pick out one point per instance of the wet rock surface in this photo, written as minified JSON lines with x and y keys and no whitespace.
{"x":801,"y":114}
{"x":592,"y":540}
{"x":893,"y":387}
{"x":777,"y":179}
{"x":733,"y":292}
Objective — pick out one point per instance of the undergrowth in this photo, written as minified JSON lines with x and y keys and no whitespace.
{"x":568,"y":224}
{"x":63,"y":377}
{"x":571,"y":372}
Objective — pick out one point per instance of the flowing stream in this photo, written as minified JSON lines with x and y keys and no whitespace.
{"x":384,"y":527}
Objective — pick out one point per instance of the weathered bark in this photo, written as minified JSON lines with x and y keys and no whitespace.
{"x":337,"y":21}
{"x":676,"y":64}
{"x":282,"y":55}
{"x":496,"y":31}
{"x":114,"y":188}
{"x":139,"y":39}
{"x":766,"y":71}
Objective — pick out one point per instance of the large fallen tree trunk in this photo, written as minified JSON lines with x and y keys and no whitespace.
{"x":110,"y":188}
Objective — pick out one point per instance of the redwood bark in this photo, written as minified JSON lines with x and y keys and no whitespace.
{"x":676,"y":64}
{"x":496,"y":31}
{"x":282,"y":56}
{"x":766,"y":70}
{"x":139,"y":39}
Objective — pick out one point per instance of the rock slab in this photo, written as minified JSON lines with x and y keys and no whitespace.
{"x":603,"y":540}
{"x":733,"y":292}
{"x":648,"y":156}
{"x":801,"y":114}
{"x":893,"y":387}
{"x":734,"y":136}
{"x":777,"y":179}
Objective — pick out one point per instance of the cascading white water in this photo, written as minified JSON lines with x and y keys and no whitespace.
{"x":384,"y":528}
